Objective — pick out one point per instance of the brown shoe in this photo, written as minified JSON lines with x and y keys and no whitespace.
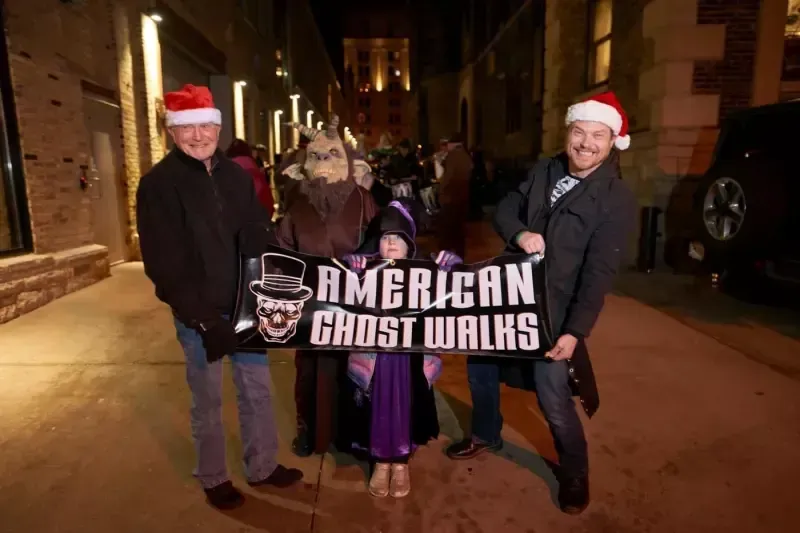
{"x":469,"y":449}
{"x":281,"y":477}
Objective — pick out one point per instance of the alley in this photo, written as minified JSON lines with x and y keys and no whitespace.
{"x":692,"y":435}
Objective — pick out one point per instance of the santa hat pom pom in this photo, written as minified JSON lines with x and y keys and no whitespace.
{"x":623,"y":142}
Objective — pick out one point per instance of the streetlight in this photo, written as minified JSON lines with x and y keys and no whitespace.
{"x":295,"y":118}
{"x":277,"y":127}
{"x":154,"y":15}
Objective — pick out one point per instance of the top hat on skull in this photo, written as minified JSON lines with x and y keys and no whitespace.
{"x":281,"y":295}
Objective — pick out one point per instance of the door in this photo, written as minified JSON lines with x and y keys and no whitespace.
{"x":105,"y":175}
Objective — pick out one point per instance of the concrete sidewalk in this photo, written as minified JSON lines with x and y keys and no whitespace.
{"x":692,"y":436}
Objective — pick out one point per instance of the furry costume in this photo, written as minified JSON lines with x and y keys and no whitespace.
{"x":326,"y":216}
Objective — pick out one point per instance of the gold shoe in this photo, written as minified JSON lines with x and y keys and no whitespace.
{"x":400,"y":485}
{"x":379,"y":483}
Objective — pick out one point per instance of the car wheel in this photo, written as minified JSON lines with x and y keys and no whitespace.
{"x":739,"y":212}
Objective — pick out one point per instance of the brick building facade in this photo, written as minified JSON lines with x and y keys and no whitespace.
{"x":83,"y":106}
{"x":679,"y":67}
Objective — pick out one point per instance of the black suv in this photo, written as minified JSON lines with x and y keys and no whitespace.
{"x":746,"y":219}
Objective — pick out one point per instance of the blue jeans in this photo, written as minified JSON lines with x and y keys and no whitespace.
{"x":555,"y":401}
{"x":259,"y":434}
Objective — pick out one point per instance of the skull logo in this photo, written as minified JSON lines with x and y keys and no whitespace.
{"x":280,"y":294}
{"x":278,"y":320}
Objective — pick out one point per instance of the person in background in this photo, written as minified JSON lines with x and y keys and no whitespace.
{"x":197,"y":211}
{"x":241,"y":154}
{"x":261,"y":155}
{"x":438,"y":159}
{"x":454,"y":197}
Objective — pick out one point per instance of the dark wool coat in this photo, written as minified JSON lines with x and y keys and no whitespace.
{"x":585,"y":238}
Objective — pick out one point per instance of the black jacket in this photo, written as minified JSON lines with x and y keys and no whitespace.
{"x":585,"y":237}
{"x":189,"y":222}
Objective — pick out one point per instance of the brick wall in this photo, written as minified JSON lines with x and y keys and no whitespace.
{"x":46,"y":70}
{"x":58,"y":50}
{"x":732,"y":77}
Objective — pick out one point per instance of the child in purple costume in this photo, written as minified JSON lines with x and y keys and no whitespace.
{"x":390,"y":407}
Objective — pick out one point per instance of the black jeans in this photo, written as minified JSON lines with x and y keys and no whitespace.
{"x":555,"y":400}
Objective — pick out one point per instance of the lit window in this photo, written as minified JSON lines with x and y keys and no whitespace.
{"x":599,"y":56}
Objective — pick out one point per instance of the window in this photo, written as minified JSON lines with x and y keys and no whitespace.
{"x":363,"y":71}
{"x":395,"y":118}
{"x":14,"y":229}
{"x":599,"y":52}
{"x":394,"y":86}
{"x":363,"y":56}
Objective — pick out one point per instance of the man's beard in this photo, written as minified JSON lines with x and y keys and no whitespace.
{"x":327,"y":198}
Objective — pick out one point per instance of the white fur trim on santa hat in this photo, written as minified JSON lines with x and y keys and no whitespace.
{"x":622,"y":142}
{"x":594,"y":111}
{"x":205,"y":115}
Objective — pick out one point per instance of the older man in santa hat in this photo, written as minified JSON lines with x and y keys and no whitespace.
{"x":576,"y":212}
{"x":197,"y":211}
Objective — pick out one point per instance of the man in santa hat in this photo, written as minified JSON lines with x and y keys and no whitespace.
{"x":576,"y":213}
{"x":196,"y":212}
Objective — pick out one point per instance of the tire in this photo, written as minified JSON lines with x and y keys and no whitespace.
{"x":761,"y":210}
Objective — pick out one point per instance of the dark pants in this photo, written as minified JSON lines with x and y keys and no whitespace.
{"x":555,"y":401}
{"x":451,"y":230}
{"x":315,"y":395}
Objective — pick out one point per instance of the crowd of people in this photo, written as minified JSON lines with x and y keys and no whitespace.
{"x":199,"y":210}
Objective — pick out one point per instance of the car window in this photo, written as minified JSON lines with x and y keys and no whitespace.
{"x":756,"y":133}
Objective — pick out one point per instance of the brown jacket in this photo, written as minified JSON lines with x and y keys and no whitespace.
{"x":454,"y":186}
{"x":303,"y":230}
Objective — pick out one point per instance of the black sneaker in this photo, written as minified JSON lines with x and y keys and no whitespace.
{"x":573,"y":494}
{"x":303,"y":444}
{"x":224,"y":496}
{"x":281,"y":477}
{"x":469,"y":449}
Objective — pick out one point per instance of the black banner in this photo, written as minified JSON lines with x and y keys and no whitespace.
{"x":293,"y":300}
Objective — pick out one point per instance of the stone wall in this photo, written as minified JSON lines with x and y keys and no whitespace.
{"x":31,"y":281}
{"x":442,"y":120}
{"x":565,"y":66}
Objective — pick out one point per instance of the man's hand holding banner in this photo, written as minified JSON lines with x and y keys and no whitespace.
{"x":292,"y":300}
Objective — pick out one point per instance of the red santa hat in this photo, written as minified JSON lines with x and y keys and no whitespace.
{"x":191,"y":105}
{"x":606,"y":109}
